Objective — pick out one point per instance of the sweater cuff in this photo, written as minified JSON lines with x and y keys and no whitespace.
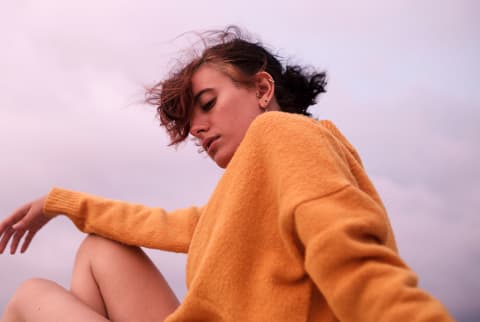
{"x":62,"y":201}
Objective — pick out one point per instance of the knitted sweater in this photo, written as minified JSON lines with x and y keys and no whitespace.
{"x":294,"y":231}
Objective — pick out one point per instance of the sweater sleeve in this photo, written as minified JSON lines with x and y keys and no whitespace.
{"x":345,"y":255}
{"x":132,"y":224}
{"x":329,"y":210}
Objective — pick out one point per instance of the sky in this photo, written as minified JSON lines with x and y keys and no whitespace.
{"x":403,"y":79}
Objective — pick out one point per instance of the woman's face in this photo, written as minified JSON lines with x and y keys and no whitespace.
{"x":222,"y":113}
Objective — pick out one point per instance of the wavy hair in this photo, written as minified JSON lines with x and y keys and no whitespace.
{"x":296,"y":87}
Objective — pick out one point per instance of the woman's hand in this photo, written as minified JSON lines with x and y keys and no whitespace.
{"x":25,"y":220}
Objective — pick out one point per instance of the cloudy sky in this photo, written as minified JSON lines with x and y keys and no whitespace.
{"x":403,"y":88}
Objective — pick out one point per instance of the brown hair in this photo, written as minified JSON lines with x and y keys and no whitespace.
{"x":296,"y":88}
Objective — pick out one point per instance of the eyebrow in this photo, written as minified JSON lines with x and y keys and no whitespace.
{"x":197,"y":96}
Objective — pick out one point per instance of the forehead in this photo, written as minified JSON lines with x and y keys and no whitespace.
{"x":209,"y":76}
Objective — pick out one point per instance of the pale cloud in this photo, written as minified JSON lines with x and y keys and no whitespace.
{"x":402,"y":89}
{"x":436,"y":238}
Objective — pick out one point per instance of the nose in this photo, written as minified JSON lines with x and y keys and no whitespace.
{"x":198,"y":125}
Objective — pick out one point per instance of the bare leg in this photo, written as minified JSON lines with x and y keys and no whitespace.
{"x":110,"y":281}
{"x":120,"y":282}
{"x":44,"y":301}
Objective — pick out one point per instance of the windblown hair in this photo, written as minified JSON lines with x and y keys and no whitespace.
{"x":296,"y":87}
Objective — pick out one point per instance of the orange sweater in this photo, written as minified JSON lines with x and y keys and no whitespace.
{"x":294,"y":231}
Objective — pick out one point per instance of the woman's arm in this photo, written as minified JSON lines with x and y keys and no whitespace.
{"x":331,"y":213}
{"x":132,"y":224}
{"x":345,"y":237}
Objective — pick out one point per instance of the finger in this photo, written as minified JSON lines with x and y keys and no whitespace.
{"x":20,"y":214}
{"x":16,"y":239}
{"x":21,"y":224}
{"x":3,"y":227}
{"x":5,"y":224}
{"x":5,"y":238}
{"x":27,"y":240}
{"x":13,"y":218}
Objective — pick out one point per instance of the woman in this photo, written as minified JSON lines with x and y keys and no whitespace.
{"x":294,"y":230}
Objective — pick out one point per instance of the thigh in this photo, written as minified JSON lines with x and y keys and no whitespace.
{"x":130,"y":285}
{"x":45,"y":301}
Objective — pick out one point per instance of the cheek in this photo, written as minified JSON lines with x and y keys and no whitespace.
{"x":240,"y":110}
{"x":239,"y":126}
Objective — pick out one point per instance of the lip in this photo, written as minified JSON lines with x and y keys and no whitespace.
{"x":207,"y":143}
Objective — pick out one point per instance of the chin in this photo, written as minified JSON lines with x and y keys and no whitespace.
{"x":221,"y":161}
{"x":221,"y":164}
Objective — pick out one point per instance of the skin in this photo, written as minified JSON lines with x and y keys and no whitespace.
{"x":224,"y":110}
{"x":112,"y":281}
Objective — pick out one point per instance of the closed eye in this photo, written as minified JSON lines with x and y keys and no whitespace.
{"x":208,"y":106}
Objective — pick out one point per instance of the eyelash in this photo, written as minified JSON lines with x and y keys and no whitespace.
{"x":207,"y":106}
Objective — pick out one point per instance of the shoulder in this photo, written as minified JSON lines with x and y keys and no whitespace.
{"x":281,"y":135}
{"x":298,"y":134}
{"x":301,"y":156}
{"x":282,"y":127}
{"x":281,"y":122}
{"x":272,"y":120}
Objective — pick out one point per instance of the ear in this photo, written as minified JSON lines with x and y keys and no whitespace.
{"x":265,"y":87}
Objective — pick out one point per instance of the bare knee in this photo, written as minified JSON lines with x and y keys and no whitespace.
{"x":96,"y":251}
{"x":94,"y":245}
{"x":25,"y":296}
{"x":93,"y":242}
{"x":31,"y":288}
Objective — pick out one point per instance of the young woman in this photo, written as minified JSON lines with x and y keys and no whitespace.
{"x":294,"y":230}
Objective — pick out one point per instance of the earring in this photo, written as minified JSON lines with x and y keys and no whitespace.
{"x":258,"y":95}
{"x":264,"y":105}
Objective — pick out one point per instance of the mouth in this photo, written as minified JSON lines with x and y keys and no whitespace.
{"x":207,"y":143}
